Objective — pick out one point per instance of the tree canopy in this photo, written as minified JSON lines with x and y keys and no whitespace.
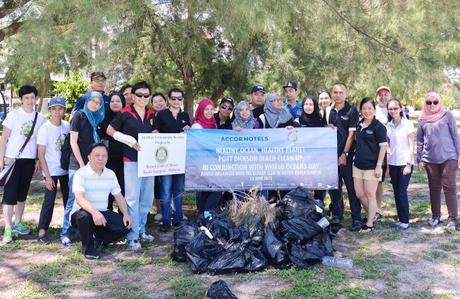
{"x":219,"y":47}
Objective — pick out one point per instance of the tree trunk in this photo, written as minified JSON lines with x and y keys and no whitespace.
{"x":187,"y":74}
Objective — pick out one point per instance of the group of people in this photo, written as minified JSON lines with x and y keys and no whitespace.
{"x":102,"y":167}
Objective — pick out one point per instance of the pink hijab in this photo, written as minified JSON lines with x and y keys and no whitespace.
{"x":427,"y":115}
{"x":201,"y":119}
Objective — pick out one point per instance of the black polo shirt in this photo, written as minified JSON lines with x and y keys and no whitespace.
{"x":82,"y":126}
{"x":258,"y":111}
{"x":223,"y":125}
{"x":130,"y":123}
{"x":345,"y":120}
{"x":368,"y":141}
{"x":166,"y":123}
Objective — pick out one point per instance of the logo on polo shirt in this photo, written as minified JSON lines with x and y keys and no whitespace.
{"x":370,"y":132}
{"x":161,"y":155}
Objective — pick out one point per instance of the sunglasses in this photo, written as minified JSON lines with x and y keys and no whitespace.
{"x":176,"y":98}
{"x":140,"y":95}
{"x":429,"y":103}
{"x":225,"y":107}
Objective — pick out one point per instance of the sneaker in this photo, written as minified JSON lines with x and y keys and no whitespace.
{"x":147,"y":237}
{"x":158,"y":217}
{"x":134,"y":245}
{"x":43,"y":240}
{"x":435,"y":221}
{"x":378,"y":217}
{"x":356,"y":226}
{"x":66,"y":242}
{"x":399,"y":226}
{"x":92,"y":256}
{"x":7,"y":236}
{"x":451,"y":225}
{"x":20,"y":228}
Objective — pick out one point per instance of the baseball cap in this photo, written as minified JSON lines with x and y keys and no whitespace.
{"x":258,"y":88}
{"x":56,"y":102}
{"x":291,"y":84}
{"x":227,"y":99}
{"x":97,"y":74}
{"x":383,"y":88}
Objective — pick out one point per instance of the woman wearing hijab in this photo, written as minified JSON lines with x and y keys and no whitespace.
{"x":84,"y":131}
{"x":115,"y":162}
{"x":244,"y":119}
{"x":438,"y":152}
{"x":204,"y":119}
{"x":275,"y":114}
{"x":311,"y":117}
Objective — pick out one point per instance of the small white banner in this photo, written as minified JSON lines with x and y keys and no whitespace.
{"x":161,"y":154}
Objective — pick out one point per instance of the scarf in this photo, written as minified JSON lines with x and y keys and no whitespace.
{"x":427,"y":115}
{"x":201,"y":119}
{"x":274,"y":116}
{"x":94,"y":118}
{"x":313,"y":119}
{"x":248,"y":123}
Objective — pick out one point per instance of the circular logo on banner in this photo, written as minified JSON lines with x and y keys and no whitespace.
{"x":161,"y":154}
{"x":292,"y":137}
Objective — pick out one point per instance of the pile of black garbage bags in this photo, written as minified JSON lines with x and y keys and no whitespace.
{"x":300,"y":236}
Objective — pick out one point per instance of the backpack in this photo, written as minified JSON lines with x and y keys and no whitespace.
{"x":66,"y":149}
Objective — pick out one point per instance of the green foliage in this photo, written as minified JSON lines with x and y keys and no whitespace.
{"x":132,"y":265}
{"x":74,"y":86}
{"x":188,"y":287}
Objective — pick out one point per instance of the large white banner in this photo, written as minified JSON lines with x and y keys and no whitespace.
{"x":161,"y":154}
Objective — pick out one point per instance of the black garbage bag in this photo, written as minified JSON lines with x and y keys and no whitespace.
{"x":239,"y":258}
{"x":224,"y":231}
{"x":298,"y":202}
{"x":183,"y":234}
{"x":299,"y":228}
{"x":310,"y":253}
{"x":275,"y":249}
{"x":201,"y":251}
{"x":220,"y":290}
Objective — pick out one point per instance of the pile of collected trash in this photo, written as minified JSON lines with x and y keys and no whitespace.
{"x":294,"y":232}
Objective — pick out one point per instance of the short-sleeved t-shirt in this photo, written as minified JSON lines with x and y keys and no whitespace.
{"x":20,"y":123}
{"x":52,"y":137}
{"x":130,"y":123}
{"x":96,"y":187}
{"x":345,"y":120}
{"x":82,"y":126}
{"x":296,"y":110}
{"x":399,"y":141}
{"x":166,"y":123}
{"x":368,"y":142}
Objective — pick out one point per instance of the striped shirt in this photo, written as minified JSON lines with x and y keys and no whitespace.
{"x":95,"y":187}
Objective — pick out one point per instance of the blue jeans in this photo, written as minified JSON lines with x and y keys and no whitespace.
{"x":400,"y":183}
{"x":172,"y":186}
{"x":139,"y":197}
{"x":68,"y":207}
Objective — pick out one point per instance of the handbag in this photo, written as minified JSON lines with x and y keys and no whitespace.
{"x":5,"y":174}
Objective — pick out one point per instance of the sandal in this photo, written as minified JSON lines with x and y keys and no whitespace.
{"x":366,"y":229}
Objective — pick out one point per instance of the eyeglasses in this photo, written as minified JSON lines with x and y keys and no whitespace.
{"x":225,"y":107}
{"x":99,"y":81}
{"x":176,"y":98}
{"x":141,"y":95}
{"x":429,"y":103}
{"x":393,"y":109}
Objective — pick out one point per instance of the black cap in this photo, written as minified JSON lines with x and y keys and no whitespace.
{"x":227,"y":99}
{"x":258,"y":88}
{"x":291,"y":84}
{"x":97,"y":74}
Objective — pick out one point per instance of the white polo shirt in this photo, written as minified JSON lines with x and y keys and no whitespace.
{"x":96,"y":187}
{"x":399,"y":141}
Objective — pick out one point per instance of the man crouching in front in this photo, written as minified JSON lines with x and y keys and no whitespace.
{"x":92,"y":185}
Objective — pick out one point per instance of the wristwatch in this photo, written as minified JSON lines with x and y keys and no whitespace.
{"x":345,"y":153}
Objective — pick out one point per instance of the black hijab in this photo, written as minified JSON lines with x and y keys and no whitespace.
{"x":313,"y":119}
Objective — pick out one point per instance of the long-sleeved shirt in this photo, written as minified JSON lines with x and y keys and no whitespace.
{"x":438,"y":141}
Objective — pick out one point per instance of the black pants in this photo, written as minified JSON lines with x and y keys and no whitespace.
{"x":117,"y":166}
{"x":345,"y":175}
{"x":113,"y":231}
{"x":206,"y":201}
{"x":46,"y":212}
